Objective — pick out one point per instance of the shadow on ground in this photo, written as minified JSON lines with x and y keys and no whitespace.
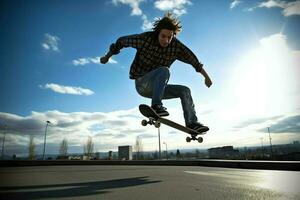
{"x":70,"y":189}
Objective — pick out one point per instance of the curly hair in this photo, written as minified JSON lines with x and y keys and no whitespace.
{"x":167,"y":22}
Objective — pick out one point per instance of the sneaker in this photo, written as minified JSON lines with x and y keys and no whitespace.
{"x":160,"y":110}
{"x":198,"y":127}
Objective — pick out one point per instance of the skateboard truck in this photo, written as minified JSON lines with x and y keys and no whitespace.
{"x":194,"y":137}
{"x":151,"y":121}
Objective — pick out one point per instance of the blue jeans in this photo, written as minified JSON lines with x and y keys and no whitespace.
{"x":155,"y":85}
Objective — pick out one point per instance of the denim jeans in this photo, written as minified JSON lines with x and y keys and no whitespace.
{"x":155,"y":85}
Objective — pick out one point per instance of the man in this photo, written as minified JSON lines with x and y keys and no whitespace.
{"x":156,"y":51}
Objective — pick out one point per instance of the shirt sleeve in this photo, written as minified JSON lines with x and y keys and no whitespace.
{"x":135,"y":41}
{"x":187,"y":56}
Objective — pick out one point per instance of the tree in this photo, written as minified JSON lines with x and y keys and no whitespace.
{"x":178,"y":155}
{"x":138,"y":148}
{"x":89,"y":147}
{"x":171,"y":155}
{"x":155,"y":155}
{"x":63,"y":150}
{"x":31,"y":148}
{"x":197,"y":153}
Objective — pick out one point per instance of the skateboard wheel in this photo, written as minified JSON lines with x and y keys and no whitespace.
{"x":157,"y":124}
{"x":188,"y":139}
{"x":200,"y":139}
{"x":144,"y":122}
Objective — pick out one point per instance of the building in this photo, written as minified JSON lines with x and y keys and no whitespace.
{"x":110,"y":153}
{"x":125,"y":152}
{"x":226,"y":152}
{"x":97,"y":156}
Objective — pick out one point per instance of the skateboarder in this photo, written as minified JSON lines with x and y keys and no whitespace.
{"x":156,"y":51}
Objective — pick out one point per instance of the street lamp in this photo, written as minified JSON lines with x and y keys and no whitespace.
{"x":166,"y":149}
{"x":262,"y":146}
{"x":47,"y":123}
{"x":3,"y":142}
{"x":159,"y":143}
{"x":270,"y":143}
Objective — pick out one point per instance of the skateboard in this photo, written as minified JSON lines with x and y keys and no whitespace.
{"x":156,"y":120}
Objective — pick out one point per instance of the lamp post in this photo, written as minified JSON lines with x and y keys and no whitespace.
{"x":159,"y":153}
{"x":166,"y":150}
{"x":47,"y":123}
{"x":270,"y":143}
{"x":262,"y":146}
{"x":3,"y":142}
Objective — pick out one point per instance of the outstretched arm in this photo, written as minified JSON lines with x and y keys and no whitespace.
{"x":207,"y":80}
{"x":104,"y":59}
{"x":187,"y":56}
{"x":134,"y":41}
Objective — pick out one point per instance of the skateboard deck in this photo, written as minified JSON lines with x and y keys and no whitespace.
{"x":155,"y":119}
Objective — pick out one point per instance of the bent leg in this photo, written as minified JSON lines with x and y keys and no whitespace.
{"x":153,"y":84}
{"x":184,"y":93}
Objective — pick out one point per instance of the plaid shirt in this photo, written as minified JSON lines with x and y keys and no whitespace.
{"x":150,"y":55}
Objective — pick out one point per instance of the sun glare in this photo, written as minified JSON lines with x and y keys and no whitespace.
{"x":265,"y":77}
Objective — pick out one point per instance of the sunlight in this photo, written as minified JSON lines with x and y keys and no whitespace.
{"x":273,"y":180}
{"x":265,"y":78}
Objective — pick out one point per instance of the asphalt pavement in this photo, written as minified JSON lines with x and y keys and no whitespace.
{"x":145,"y":182}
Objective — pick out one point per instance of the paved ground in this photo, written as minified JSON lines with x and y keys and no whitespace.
{"x":146,"y":182}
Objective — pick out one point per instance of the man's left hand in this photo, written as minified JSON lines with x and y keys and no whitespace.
{"x":208,"y":82}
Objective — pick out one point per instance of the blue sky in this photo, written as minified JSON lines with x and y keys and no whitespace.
{"x":49,"y":70}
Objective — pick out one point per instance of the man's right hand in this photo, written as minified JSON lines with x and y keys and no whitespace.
{"x":104,"y":59}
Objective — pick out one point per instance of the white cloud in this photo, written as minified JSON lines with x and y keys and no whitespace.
{"x":272,"y":3}
{"x":289,"y":8}
{"x":46,"y":46}
{"x":235,"y":3}
{"x":112,"y":129}
{"x":136,"y":11}
{"x":292,"y":8}
{"x":88,"y":60}
{"x":51,"y":42}
{"x":134,"y":4}
{"x":175,"y":6}
{"x":81,"y":61}
{"x":179,"y":12}
{"x":147,"y":25}
{"x":67,"y":89}
{"x":108,"y":130}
